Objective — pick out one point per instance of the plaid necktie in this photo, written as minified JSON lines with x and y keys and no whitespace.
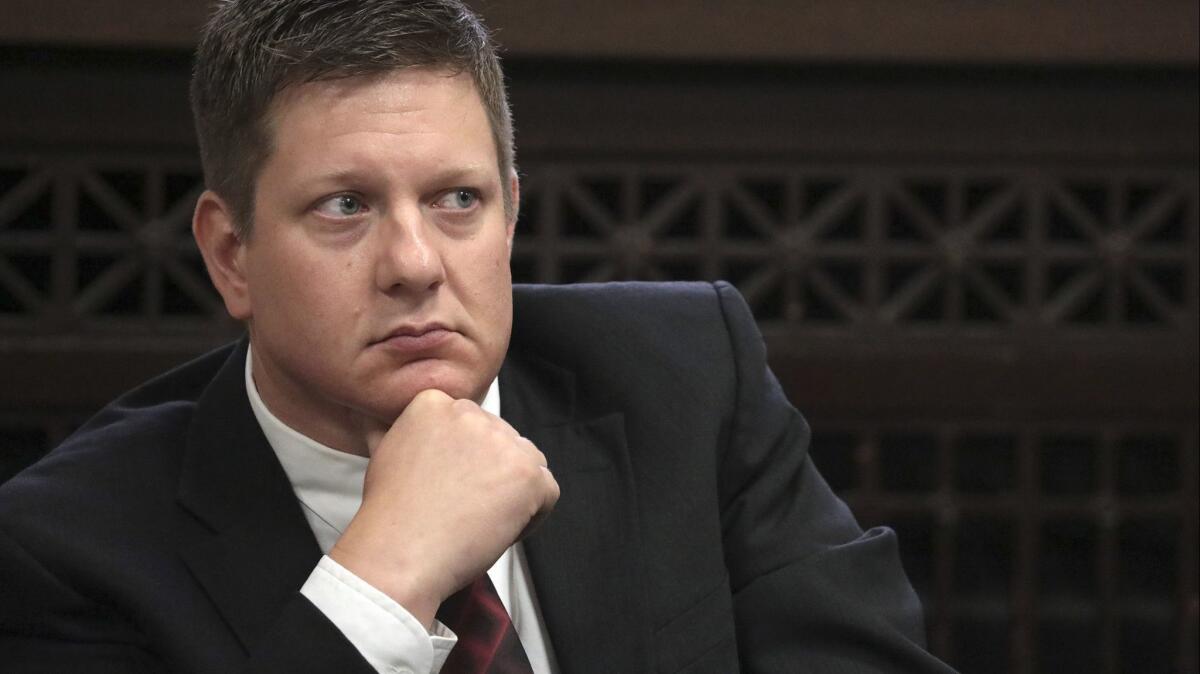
{"x":487,"y":641}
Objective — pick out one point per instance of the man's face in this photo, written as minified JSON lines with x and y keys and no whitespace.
{"x":378,"y":265}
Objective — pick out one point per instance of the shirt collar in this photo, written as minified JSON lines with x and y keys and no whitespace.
{"x":327,"y":481}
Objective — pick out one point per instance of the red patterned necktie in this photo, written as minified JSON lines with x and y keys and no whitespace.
{"x":487,"y":641}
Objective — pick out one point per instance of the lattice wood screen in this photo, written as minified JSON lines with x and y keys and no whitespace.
{"x":1039,"y":544}
{"x":857,"y":247}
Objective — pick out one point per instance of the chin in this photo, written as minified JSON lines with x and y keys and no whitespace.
{"x":454,"y":380}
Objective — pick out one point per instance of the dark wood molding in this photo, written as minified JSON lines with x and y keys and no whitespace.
{"x":1008,"y":31}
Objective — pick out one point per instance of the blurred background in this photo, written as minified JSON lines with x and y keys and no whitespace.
{"x":968,"y":231}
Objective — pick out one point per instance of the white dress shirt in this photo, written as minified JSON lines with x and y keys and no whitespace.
{"x":328,"y":484}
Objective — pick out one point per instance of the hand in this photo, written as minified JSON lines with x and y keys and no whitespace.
{"x":448,"y":489}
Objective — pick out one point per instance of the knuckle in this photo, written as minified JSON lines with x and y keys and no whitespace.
{"x":463,"y":405}
{"x":530,"y":472}
{"x":429,"y":396}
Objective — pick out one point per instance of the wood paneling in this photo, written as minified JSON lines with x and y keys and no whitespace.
{"x":1035,"y":446}
{"x":1009,"y":31}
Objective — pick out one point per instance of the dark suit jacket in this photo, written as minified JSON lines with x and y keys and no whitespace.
{"x":693,"y":533}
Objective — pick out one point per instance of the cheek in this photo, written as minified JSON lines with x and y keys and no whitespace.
{"x":499,"y":281}
{"x":485,"y":268}
{"x":312,"y":297}
{"x":491,"y":286}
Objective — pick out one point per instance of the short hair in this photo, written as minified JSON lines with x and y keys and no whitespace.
{"x":251,"y":50}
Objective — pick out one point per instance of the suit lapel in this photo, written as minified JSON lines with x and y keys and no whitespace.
{"x":233,"y":484}
{"x":583,"y":558}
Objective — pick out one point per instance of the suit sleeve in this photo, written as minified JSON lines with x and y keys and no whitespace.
{"x":48,"y":627}
{"x":812,"y":591}
{"x":45,"y":626}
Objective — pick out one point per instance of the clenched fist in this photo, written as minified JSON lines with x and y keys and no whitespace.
{"x":449,"y":487}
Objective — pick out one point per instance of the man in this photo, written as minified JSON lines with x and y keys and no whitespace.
{"x":339,"y":491}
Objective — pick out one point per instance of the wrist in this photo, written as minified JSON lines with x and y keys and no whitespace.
{"x":404,"y":584}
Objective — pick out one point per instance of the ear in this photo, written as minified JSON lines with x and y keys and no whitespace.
{"x":223,"y":251}
{"x":514,"y":187}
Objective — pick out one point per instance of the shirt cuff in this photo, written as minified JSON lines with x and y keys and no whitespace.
{"x":383,"y":631}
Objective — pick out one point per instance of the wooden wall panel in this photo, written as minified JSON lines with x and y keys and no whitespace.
{"x":979,"y":282}
{"x":877,"y":31}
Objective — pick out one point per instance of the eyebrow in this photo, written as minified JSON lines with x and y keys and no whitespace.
{"x":449,"y":175}
{"x":469,"y":173}
{"x":336,"y":176}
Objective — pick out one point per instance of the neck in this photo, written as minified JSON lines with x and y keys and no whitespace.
{"x":335,"y":426}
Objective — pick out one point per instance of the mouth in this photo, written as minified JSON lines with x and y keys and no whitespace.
{"x":416,"y":338}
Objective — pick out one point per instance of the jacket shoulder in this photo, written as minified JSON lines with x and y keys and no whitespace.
{"x":621,"y":294}
{"x":629,"y":314}
{"x":126,"y":456}
{"x":634,"y":337}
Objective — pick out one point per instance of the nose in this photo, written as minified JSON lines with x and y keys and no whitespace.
{"x":409,"y":257}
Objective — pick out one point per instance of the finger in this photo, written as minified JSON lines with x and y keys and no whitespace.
{"x":550,"y":492}
{"x":534,"y":523}
{"x":534,"y":452}
{"x":541,"y":459}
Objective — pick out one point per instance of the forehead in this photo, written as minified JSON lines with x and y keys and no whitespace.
{"x":396,"y":101}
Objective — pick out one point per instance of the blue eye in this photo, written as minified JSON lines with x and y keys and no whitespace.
{"x":459,"y":199}
{"x":348,"y":205}
{"x":341,"y":206}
